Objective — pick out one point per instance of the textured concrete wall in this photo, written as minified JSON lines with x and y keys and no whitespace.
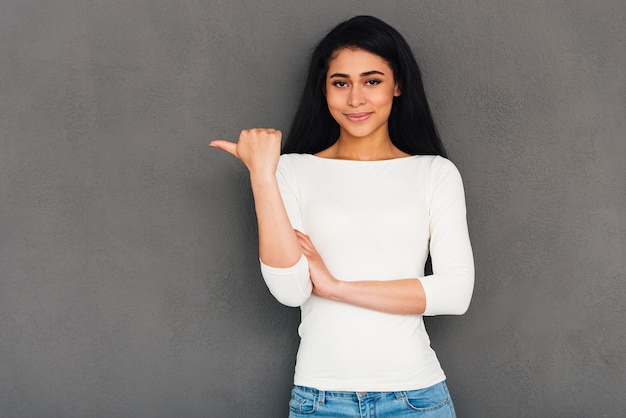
{"x":129,"y":284}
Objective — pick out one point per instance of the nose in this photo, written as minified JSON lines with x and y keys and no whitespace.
{"x":356,"y":97}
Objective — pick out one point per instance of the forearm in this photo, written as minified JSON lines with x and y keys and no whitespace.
{"x":404,"y":296}
{"x":259,"y":150}
{"x":278,"y":245}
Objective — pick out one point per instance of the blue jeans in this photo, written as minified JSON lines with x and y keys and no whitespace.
{"x":430,"y":402}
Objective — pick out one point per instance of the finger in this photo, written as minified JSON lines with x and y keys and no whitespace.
{"x":301,"y":234}
{"x":306,"y":240}
{"x":307,"y":248}
{"x":303,"y":242}
{"x":268,"y":130}
{"x":227,"y":146}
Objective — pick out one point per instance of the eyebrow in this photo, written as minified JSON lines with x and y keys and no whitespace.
{"x":365,"y":74}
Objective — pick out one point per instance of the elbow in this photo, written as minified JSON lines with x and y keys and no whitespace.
{"x":290,"y":286}
{"x":457,"y":304}
{"x":449,"y":294}
{"x":464,"y":294}
{"x":291,"y":299}
{"x":461,"y":306}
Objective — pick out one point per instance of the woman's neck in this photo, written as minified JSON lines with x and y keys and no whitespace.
{"x":362,"y":149}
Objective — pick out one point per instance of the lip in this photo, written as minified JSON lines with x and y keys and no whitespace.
{"x":358,"y":117}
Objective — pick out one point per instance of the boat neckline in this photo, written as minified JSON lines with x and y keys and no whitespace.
{"x":408,"y":157}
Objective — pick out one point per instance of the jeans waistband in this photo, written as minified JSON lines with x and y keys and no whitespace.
{"x":321,"y":395}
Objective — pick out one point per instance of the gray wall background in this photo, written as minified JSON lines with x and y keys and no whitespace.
{"x":129,"y":280}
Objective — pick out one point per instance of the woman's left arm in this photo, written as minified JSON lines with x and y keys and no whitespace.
{"x":405,"y":296}
{"x":447,"y":291}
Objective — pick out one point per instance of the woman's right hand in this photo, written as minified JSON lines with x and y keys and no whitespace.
{"x":258,"y":149}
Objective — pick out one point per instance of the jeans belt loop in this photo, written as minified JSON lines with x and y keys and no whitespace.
{"x":321,"y":397}
{"x":400,"y":395}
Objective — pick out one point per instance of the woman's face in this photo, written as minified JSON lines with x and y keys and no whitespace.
{"x":360,"y":88}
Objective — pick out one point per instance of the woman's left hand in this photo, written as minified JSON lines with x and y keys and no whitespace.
{"x":324,"y":284}
{"x":398,"y":296}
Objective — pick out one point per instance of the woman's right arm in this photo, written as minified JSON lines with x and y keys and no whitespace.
{"x":280,"y":252}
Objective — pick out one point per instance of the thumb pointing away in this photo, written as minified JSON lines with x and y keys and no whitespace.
{"x":227,"y":146}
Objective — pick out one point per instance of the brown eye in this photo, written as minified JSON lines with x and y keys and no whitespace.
{"x":340,"y":84}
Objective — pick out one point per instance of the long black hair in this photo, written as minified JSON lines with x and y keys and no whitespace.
{"x":411,"y":126}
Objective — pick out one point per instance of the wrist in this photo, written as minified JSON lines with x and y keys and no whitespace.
{"x":336,"y":290}
{"x":262,"y":178}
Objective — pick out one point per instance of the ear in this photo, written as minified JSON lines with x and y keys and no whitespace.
{"x":396,"y":91}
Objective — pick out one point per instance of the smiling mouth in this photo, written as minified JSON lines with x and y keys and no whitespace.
{"x":358,"y":117}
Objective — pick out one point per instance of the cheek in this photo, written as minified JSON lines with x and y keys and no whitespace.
{"x":382,"y":97}
{"x":334,"y":101}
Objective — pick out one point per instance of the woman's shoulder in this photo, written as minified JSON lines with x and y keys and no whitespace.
{"x":441,"y":163}
{"x":445,"y":176}
{"x":434,"y":169}
{"x":294,"y":157}
{"x":433,"y":163}
{"x":289,"y":164}
{"x":293,"y":160}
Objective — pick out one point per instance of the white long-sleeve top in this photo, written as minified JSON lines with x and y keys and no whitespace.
{"x":373,"y":220}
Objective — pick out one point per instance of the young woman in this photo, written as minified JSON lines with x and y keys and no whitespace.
{"x":348,"y":215}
